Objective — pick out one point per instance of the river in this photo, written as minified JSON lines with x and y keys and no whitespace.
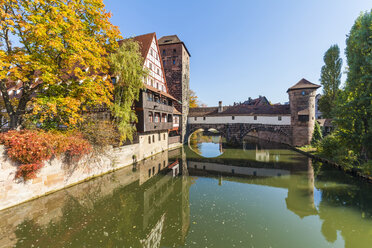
{"x":202,"y":195}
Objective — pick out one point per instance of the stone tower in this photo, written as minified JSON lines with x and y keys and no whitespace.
{"x":302,"y":105}
{"x":176,"y":62}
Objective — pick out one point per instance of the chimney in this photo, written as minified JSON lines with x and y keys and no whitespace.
{"x":220,"y":108}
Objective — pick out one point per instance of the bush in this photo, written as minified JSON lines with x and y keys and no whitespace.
{"x":30,"y":148}
{"x":332,"y":148}
{"x":100,"y":133}
{"x":317,"y":135}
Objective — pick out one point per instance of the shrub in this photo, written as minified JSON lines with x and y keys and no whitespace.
{"x":317,"y":135}
{"x":100,"y":133}
{"x":332,"y":148}
{"x":30,"y":148}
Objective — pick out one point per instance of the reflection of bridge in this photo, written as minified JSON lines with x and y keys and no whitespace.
{"x":235,"y":133}
{"x":298,"y":181}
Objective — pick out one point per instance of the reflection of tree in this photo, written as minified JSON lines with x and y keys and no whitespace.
{"x":346,"y":207}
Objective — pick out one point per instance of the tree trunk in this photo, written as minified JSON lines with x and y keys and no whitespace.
{"x":14,"y":121}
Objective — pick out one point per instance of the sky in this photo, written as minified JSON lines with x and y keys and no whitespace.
{"x":245,"y":48}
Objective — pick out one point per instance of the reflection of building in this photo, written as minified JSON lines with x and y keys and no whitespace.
{"x":262,"y":155}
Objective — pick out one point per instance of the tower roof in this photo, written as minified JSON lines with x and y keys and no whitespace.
{"x":304,"y":84}
{"x":171,"y":39}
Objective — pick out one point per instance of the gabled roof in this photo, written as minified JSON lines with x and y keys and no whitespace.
{"x":172,"y":39}
{"x":144,"y":41}
{"x":304,"y":84}
{"x":241,"y":110}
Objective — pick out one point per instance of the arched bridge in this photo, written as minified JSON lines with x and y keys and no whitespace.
{"x":235,"y":132}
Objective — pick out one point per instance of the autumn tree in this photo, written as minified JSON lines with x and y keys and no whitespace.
{"x":193,"y":99}
{"x":330,"y":79}
{"x":56,"y":54}
{"x":127,"y":68}
{"x":354,"y":111}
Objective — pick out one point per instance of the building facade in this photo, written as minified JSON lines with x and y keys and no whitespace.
{"x":176,"y":62}
{"x":155,"y":106}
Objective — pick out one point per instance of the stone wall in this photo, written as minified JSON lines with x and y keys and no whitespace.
{"x":58,"y":174}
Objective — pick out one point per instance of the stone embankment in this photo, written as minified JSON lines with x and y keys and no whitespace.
{"x":58,"y":174}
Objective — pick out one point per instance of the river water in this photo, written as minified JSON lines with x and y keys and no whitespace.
{"x":202,"y":195}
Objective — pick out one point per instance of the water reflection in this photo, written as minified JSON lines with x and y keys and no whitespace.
{"x":263,"y":195}
{"x":207,"y":144}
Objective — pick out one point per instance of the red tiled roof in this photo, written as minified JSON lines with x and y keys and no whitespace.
{"x":144,"y":41}
{"x":304,"y":84}
{"x":242,"y":110}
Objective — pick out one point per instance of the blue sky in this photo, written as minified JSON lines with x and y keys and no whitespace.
{"x":242,"y":49}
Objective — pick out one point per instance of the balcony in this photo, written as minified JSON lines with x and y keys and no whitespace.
{"x":154,"y":106}
{"x":153,"y":126}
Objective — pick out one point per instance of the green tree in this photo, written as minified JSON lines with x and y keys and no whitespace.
{"x":127,"y":67}
{"x":330,"y":79}
{"x":59,"y":60}
{"x":354,"y":111}
{"x":317,"y":134}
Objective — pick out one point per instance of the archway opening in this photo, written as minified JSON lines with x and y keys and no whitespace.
{"x":206,"y":143}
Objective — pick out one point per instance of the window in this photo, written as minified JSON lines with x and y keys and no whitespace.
{"x":153,"y":170}
{"x":151,"y":117}
{"x":159,"y":167}
{"x":164,"y":161}
{"x":157,"y":117}
{"x":153,"y":138}
{"x":163,"y":61}
{"x":303,"y":118}
{"x":157,"y":71}
{"x":196,"y":118}
{"x":164,"y":139}
{"x":163,"y":51}
{"x":159,"y":137}
{"x":255,"y":118}
{"x":152,"y":82}
{"x":204,"y":118}
{"x":149,"y":139}
{"x":149,"y":172}
{"x":279,"y":118}
{"x":150,"y":66}
{"x":174,"y":50}
{"x":113,"y":80}
{"x":150,"y":97}
{"x":164,"y":118}
{"x":157,"y":85}
{"x":174,"y":61}
{"x":151,"y":52}
{"x":303,"y":93}
{"x":233,"y":117}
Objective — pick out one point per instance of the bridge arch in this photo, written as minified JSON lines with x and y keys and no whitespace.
{"x":272,"y":133}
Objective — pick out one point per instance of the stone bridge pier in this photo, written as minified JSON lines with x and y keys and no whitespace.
{"x":235,"y":133}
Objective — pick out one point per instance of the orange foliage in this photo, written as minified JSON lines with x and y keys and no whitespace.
{"x":32,"y":148}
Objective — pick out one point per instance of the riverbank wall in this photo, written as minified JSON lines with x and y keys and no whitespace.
{"x":58,"y":173}
{"x":351,"y":171}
